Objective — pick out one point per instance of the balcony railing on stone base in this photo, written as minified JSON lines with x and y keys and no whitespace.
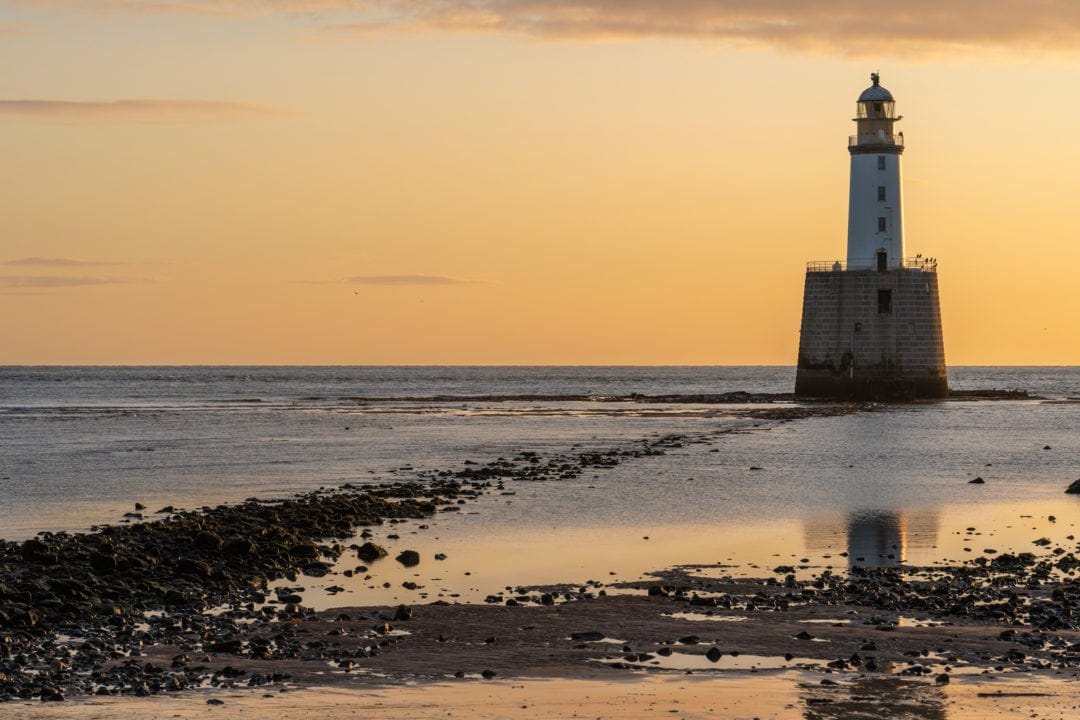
{"x":913,"y":263}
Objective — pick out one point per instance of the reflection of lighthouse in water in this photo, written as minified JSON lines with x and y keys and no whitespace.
{"x":879,"y":538}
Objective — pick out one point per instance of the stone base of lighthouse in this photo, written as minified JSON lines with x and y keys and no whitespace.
{"x":871,"y":335}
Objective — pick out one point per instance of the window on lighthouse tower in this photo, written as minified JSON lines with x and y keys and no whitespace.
{"x":881,"y":224}
{"x":881,"y":193}
{"x":880,"y":162}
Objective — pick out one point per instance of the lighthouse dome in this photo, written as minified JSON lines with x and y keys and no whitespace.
{"x":876,"y":93}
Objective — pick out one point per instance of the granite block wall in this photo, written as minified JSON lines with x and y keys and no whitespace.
{"x":871,"y":335}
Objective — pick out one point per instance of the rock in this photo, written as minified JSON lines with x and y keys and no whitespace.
{"x":713,"y":654}
{"x":174,"y":598}
{"x":52,"y":694}
{"x":977,"y":481}
{"x":229,"y":647}
{"x":587,"y":636}
{"x":690,"y":640}
{"x":195,"y":568}
{"x":369,"y":552}
{"x":208,"y":541}
{"x":403,"y":612}
{"x":1073,"y":489}
{"x":942,"y":679}
{"x":488,"y":674}
{"x":33,"y":548}
{"x":215,"y":701}
{"x":305,"y":551}
{"x":238,"y":547}
{"x":804,"y":636}
{"x":408,"y":558}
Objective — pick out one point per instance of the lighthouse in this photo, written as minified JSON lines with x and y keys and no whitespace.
{"x":871,"y":326}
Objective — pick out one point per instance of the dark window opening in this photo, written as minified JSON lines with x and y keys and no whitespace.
{"x":881,"y":224}
{"x":880,"y":162}
{"x":882,"y":261}
{"x":881,"y":193}
{"x":877,"y":107}
{"x":884,"y":302}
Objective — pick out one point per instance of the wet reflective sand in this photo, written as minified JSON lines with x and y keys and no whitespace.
{"x":786,"y":696}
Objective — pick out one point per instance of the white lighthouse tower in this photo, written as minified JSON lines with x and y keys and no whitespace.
{"x":875,"y":200}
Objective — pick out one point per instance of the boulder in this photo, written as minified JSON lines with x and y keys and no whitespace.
{"x":369,"y":552}
{"x":208,"y":541}
{"x":408,"y":558}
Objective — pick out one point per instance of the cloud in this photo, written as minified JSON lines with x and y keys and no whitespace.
{"x":57,"y":262}
{"x":850,"y":26}
{"x":58,"y":281}
{"x":406,"y":280}
{"x":13,"y":29}
{"x":861,"y":27}
{"x":138,"y":110}
{"x":390,"y":280}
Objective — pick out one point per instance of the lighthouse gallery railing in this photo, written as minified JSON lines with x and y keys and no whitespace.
{"x":914,"y":263}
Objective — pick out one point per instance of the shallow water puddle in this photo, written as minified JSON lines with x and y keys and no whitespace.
{"x":705,"y":617}
{"x":726,"y":661}
{"x":904,"y":621}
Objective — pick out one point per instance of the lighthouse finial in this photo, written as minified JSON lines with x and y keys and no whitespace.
{"x":875,"y":78}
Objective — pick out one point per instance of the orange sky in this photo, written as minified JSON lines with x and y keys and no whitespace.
{"x":586,"y":181}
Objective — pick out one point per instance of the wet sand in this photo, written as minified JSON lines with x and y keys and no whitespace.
{"x":631,"y":654}
{"x":782,"y":696}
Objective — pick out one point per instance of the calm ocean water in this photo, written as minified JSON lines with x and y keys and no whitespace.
{"x":79,"y":446}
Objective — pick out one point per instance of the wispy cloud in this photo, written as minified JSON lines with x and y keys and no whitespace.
{"x":140,"y":110}
{"x":60,"y":281}
{"x":845,"y":26}
{"x":423,"y":280}
{"x":407,"y":280}
{"x":848,"y":26}
{"x":58,"y":262}
{"x":13,"y":29}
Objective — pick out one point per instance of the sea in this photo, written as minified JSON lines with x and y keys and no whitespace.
{"x":891,"y":485}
